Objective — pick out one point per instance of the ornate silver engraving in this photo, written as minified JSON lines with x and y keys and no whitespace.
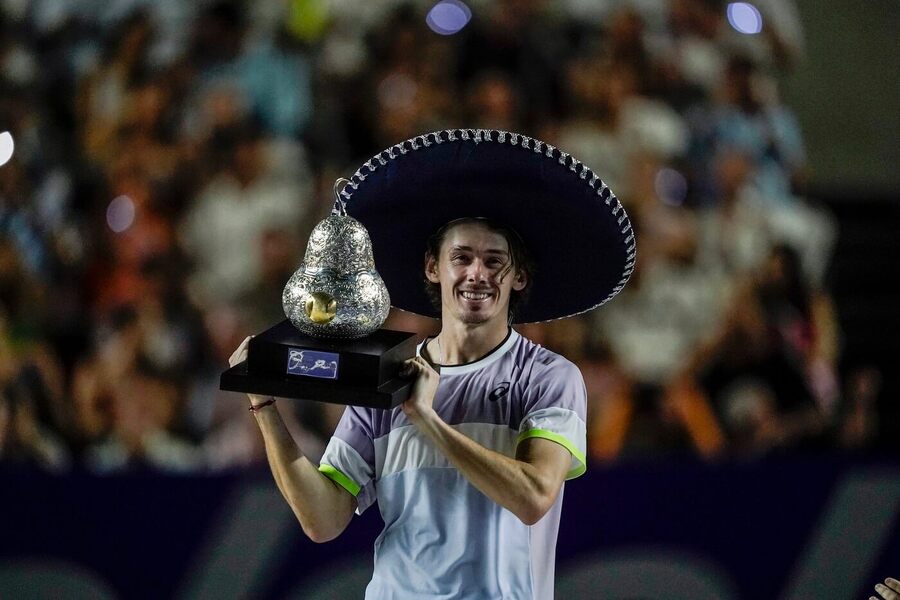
{"x":338,"y":262}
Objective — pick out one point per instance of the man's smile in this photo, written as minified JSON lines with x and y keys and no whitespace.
{"x":475,"y":296}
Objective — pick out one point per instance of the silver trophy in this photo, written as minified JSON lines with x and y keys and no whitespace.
{"x":331,"y":347}
{"x":336,"y":292}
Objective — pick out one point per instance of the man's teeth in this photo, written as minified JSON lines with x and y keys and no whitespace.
{"x":475,"y":296}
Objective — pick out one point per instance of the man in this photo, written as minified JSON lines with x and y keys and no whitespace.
{"x":468,"y":472}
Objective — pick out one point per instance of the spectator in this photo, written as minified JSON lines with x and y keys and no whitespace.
{"x":748,"y":119}
{"x":493,"y":101}
{"x":857,"y":423}
{"x":220,"y":129}
{"x":756,"y":371}
{"x":232,"y":213}
{"x":30,"y":405}
{"x":671,"y":303}
{"x":144,"y":408}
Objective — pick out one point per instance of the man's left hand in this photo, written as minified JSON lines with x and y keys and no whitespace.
{"x":421,"y":399}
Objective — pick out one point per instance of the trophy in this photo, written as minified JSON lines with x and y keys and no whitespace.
{"x":331,"y":347}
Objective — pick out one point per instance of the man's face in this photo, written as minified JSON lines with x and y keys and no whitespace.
{"x":470,"y":272}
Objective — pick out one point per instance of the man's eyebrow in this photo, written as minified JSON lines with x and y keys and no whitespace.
{"x":488,"y":251}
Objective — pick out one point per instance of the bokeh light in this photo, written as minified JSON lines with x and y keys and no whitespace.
{"x":120,"y":214}
{"x":671,"y":186}
{"x":448,"y":17}
{"x":6,"y":147}
{"x":744,"y":18}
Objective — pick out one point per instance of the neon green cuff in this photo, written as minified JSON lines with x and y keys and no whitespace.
{"x":579,"y":469}
{"x":340,"y":479}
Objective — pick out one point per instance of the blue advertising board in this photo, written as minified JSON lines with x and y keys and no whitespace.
{"x":789,"y":529}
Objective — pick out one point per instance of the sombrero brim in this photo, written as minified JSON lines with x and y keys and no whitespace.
{"x":573,"y":226}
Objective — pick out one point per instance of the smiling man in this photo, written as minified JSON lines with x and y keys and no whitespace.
{"x":468,"y":473}
{"x":497,"y":425}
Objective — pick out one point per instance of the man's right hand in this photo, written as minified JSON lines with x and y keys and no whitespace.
{"x":239,"y":356}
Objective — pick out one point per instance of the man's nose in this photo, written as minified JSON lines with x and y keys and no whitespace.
{"x":477,"y":271}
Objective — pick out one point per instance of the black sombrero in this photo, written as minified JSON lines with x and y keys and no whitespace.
{"x":573,"y":226}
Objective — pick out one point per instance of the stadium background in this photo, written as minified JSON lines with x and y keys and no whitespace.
{"x":163,"y":163}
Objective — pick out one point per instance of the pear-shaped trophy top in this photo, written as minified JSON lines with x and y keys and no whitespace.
{"x":336,"y":292}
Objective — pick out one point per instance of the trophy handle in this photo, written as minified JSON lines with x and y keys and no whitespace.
{"x":340,"y":205}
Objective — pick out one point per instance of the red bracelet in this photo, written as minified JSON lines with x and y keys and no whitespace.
{"x":256,"y":408}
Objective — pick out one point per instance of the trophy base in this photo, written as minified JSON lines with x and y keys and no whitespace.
{"x":284,"y":362}
{"x":388,"y":395}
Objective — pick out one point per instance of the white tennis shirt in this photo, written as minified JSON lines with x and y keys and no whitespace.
{"x":442,"y":537}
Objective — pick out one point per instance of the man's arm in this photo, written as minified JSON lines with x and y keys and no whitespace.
{"x":323,"y":508}
{"x":526,"y":485}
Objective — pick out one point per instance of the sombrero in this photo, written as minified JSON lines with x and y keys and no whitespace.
{"x":574,"y":227}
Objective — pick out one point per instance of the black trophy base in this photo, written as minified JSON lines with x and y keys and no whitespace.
{"x":388,"y":395}
{"x":286,"y":363}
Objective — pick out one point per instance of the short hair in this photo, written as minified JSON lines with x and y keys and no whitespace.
{"x":519,"y":259}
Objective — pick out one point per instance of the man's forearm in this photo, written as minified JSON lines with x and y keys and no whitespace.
{"x":322,"y":508}
{"x":519,"y":486}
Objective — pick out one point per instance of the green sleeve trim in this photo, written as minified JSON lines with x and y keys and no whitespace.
{"x":340,"y":479}
{"x":562,"y":441}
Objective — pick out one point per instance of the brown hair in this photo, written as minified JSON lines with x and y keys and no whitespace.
{"x":519,"y":259}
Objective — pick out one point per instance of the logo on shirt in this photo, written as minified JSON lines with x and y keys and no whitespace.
{"x":499,"y":391}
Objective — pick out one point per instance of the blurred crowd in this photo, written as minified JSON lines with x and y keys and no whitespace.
{"x":171,"y":158}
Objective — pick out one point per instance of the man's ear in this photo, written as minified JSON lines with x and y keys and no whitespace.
{"x":431,"y":269}
{"x":520,"y":281}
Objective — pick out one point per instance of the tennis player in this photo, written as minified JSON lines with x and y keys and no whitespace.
{"x":469,"y":472}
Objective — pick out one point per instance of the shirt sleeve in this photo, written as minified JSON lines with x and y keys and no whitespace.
{"x":349,"y":458}
{"x":555,"y":409}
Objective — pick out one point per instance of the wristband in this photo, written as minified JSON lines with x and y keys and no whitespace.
{"x":256,"y":408}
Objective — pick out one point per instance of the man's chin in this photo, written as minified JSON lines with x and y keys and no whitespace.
{"x":474,"y":318}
